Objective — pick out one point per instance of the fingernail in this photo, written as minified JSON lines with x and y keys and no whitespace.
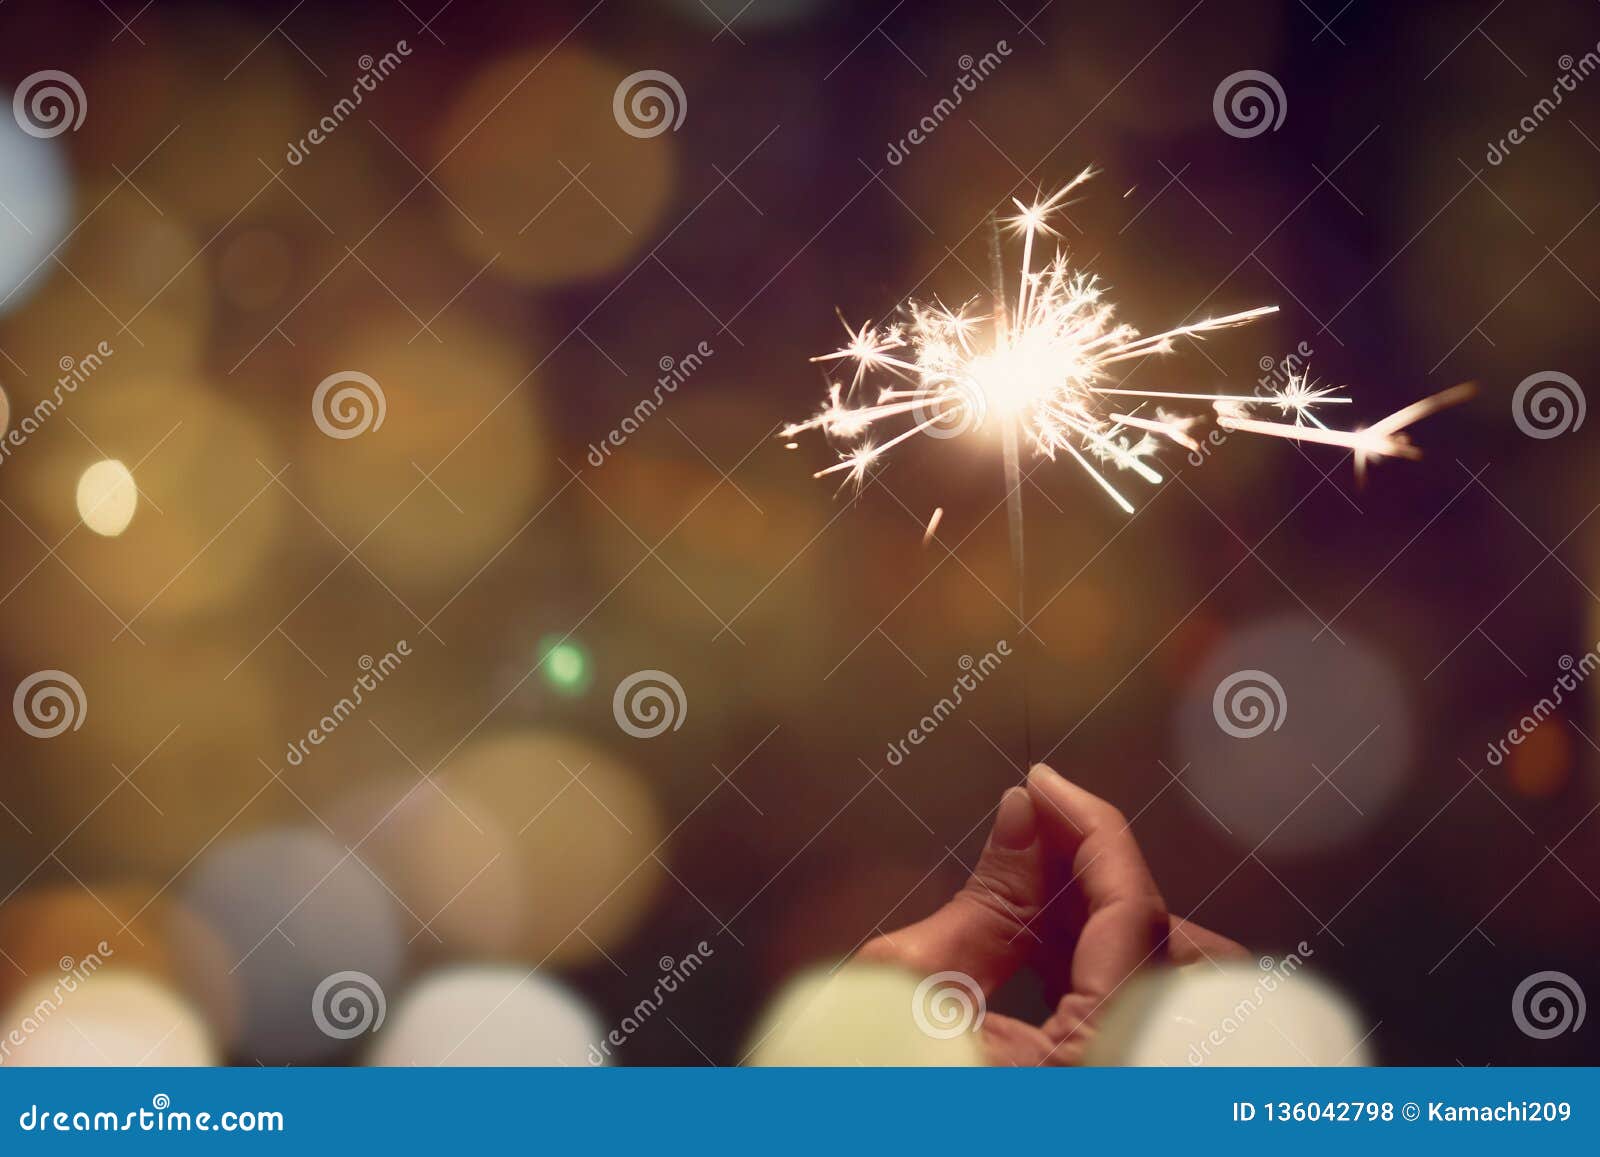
{"x":1014,"y":823}
{"x":1043,"y":775}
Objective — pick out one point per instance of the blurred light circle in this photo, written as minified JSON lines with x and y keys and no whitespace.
{"x":584,"y":828}
{"x":293,"y":908}
{"x":36,"y":191}
{"x":5,"y":411}
{"x":461,"y":410}
{"x":1295,"y":740}
{"x":203,"y":470}
{"x":861,"y":1014}
{"x":141,"y":267}
{"x":533,"y":156}
{"x":1231,"y":1015}
{"x":1542,"y":764}
{"x":486,"y":1015}
{"x":113,"y":1018}
{"x":62,"y":930}
{"x":567,"y":667}
{"x":454,"y":870}
{"x":107,"y":497}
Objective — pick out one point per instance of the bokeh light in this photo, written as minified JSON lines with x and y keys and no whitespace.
{"x":1212,"y":1015}
{"x":585,"y":829}
{"x":488,"y":1015}
{"x":107,"y":497}
{"x":1321,"y":764}
{"x":566,"y":665}
{"x":857,"y":1015}
{"x":112,"y":1018}
{"x":36,"y":191}
{"x":293,"y":908}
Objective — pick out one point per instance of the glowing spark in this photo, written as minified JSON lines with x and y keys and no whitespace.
{"x":1047,"y":369}
{"x":933,"y":525}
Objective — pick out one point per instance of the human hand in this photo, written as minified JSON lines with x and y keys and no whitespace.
{"x":1062,"y":887}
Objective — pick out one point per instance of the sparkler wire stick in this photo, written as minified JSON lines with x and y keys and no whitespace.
{"x":1013,"y":475}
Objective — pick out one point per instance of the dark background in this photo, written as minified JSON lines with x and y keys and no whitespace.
{"x":808,"y":629}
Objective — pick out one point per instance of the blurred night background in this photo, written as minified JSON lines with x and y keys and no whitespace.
{"x":516,"y":272}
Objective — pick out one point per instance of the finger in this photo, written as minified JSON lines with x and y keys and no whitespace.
{"x":1011,"y":1043}
{"x":1188,"y":943}
{"x":1125,"y":925}
{"x":982,"y":931}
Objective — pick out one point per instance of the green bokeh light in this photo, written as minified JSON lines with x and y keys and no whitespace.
{"x":566,"y":666}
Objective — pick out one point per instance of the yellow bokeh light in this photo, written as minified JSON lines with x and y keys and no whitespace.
{"x":542,"y":176}
{"x":107,"y":497}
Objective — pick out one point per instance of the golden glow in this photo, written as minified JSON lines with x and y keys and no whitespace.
{"x":107,"y":497}
{"x":1041,"y":370}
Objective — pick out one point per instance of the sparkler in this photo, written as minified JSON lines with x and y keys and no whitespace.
{"x":1045,"y":373}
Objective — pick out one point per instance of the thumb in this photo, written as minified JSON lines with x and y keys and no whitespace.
{"x":984,"y":930}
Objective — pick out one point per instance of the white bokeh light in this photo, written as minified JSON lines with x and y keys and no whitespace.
{"x":1324,"y":759}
